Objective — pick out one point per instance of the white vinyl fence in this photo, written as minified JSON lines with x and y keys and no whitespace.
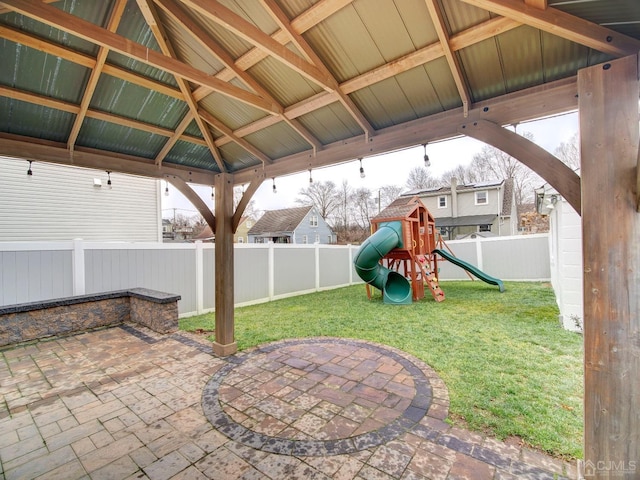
{"x":32,"y":271}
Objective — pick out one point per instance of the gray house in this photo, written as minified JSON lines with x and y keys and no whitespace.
{"x":292,"y":225}
{"x":483,"y":208}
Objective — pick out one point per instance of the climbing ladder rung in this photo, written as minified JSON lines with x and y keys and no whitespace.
{"x":432,"y":283}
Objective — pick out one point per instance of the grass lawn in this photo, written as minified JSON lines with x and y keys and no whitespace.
{"x":511,"y":370}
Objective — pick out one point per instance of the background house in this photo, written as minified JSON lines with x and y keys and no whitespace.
{"x":58,"y":202}
{"x":488,"y":208}
{"x":241,"y":235}
{"x":565,"y":255}
{"x":292,"y":225}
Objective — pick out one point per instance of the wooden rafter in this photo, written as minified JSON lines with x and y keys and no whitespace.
{"x":149,"y":12}
{"x":168,"y":145}
{"x":279,"y":16}
{"x":564,"y":25}
{"x":69,"y":23}
{"x":217,"y":124}
{"x":42,"y":45}
{"x":101,"y":58}
{"x":212,"y":46}
{"x":541,"y":4}
{"x":528,"y":104}
{"x":452,"y":59}
{"x":95,"y":114}
{"x":431,"y":52}
{"x":223,"y":16}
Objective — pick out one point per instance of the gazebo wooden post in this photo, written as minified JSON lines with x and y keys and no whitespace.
{"x":225,"y":343}
{"x":608,"y":106}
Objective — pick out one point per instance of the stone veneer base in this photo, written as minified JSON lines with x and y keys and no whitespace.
{"x":32,"y":321}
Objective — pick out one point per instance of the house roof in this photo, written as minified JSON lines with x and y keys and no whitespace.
{"x":280,"y":221}
{"x":432,"y":192}
{"x":188,"y":89}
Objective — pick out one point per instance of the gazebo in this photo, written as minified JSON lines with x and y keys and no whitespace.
{"x":234,"y":92}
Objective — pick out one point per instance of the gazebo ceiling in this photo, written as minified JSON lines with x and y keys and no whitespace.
{"x":259,"y":88}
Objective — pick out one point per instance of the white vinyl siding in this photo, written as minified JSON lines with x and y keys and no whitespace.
{"x":61,"y":203}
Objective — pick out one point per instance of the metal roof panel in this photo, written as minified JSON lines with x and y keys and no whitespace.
{"x":135,"y":102}
{"x":120,"y":139}
{"x":32,"y":120}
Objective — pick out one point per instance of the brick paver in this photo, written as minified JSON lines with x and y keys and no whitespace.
{"x":125,"y":402}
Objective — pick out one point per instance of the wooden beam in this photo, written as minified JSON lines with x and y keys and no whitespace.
{"x":224,"y":343}
{"x":609,"y":137}
{"x":194,"y":198}
{"x":88,"y":31}
{"x":55,"y":152}
{"x":301,"y":44}
{"x":552,"y":98}
{"x":563,"y":25}
{"x":216,"y":12}
{"x":149,"y":12}
{"x":114,"y":21}
{"x":638,"y":181}
{"x":95,"y":114}
{"x":217,"y":124}
{"x":539,"y":4}
{"x":194,"y":30}
{"x":168,"y":145}
{"x":452,"y":59}
{"x":244,"y":201}
{"x":550,"y":168}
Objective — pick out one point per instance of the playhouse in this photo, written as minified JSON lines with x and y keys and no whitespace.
{"x":400,"y":257}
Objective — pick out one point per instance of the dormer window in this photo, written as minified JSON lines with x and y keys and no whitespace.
{"x":482,"y":198}
{"x":313,"y":220}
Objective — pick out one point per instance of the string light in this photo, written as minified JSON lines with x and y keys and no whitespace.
{"x":166,"y":189}
{"x":30,"y":172}
{"x":213,"y":194}
{"x":109,"y":179}
{"x":427,"y":162}
{"x":310,"y":177}
{"x":275,"y":190}
{"x":362,"y":174}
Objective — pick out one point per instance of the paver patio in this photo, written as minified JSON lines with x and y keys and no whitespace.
{"x":125,"y":402}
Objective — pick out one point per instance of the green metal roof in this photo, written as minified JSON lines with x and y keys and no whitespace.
{"x":387,"y":63}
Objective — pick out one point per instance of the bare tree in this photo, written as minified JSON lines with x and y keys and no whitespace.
{"x":420,"y":178}
{"x":465,"y":174}
{"x":386,"y":195}
{"x":342,"y":218}
{"x":494,"y":164}
{"x":322,"y":195}
{"x":569,"y":152}
{"x":363,"y":208}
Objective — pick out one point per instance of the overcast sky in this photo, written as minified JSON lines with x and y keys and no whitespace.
{"x":389,"y":169}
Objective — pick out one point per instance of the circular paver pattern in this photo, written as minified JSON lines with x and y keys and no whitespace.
{"x":319,"y":396}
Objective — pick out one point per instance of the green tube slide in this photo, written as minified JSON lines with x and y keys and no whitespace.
{"x":395,"y":288}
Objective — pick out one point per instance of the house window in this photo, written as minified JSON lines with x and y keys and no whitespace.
{"x":482,"y":198}
{"x":248,"y":222}
{"x":330,"y":239}
{"x":313,"y":220}
{"x":305,"y":239}
{"x":317,"y":238}
{"x":484,"y":228}
{"x":442,"y":201}
{"x":240,"y":239}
